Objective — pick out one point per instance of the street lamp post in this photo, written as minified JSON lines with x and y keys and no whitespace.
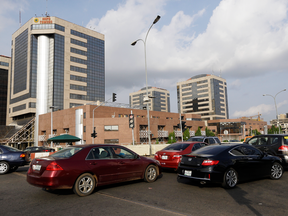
{"x":52,"y":108}
{"x":147,"y":98}
{"x":274,"y":97}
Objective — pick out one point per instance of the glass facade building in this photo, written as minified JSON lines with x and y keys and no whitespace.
{"x":70,"y":58}
{"x":5,"y":63}
{"x":159,"y":99}
{"x":203,"y":94}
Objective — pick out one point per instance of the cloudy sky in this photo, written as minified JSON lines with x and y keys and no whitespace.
{"x":245,"y":42}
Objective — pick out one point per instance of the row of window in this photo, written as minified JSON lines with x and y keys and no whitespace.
{"x":4,"y":63}
{"x":48,"y":26}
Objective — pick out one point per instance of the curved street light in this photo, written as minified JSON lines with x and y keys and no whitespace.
{"x":274,"y":97}
{"x":147,"y":98}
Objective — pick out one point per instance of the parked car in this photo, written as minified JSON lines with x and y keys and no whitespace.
{"x":34,"y":149}
{"x":84,"y":167}
{"x":229,"y":164}
{"x":11,"y":158}
{"x":170,"y":156}
{"x":209,"y":140}
{"x":274,"y":144}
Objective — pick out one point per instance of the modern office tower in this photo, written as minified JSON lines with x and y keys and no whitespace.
{"x":5,"y":63}
{"x":204,"y":94}
{"x":55,"y":63}
{"x":159,"y":99}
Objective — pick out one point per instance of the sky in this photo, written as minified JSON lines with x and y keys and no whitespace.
{"x":244,"y":42}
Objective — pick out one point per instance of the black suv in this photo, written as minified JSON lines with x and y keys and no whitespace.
{"x":209,"y":140}
{"x":274,"y":144}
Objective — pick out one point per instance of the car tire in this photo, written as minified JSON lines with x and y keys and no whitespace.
{"x":230,"y":178}
{"x":150,"y":173}
{"x":276,"y":171}
{"x":4,"y":167}
{"x":84,"y":185}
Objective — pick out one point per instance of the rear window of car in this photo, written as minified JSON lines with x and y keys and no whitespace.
{"x":177,"y":146}
{"x":196,"y":139}
{"x":67,"y":152}
{"x":211,"y":149}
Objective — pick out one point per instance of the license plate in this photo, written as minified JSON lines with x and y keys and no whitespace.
{"x":188,"y":173}
{"x":36,"y":167}
{"x":164,"y":157}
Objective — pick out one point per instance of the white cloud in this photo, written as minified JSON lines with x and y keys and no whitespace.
{"x":7,"y":7}
{"x":262,"y":109}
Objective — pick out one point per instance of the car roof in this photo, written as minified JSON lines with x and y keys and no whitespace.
{"x":95,"y":145}
{"x":270,"y":135}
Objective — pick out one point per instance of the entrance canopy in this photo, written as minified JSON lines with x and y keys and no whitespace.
{"x":64,"y":138}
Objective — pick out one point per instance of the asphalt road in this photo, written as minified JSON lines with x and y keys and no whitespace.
{"x":166,"y":196}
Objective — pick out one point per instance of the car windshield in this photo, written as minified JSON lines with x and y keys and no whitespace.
{"x":12,"y":149}
{"x":67,"y":152}
{"x":196,"y":139}
{"x":177,"y":146}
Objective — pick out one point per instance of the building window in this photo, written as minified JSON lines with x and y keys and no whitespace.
{"x":111,"y":128}
{"x":84,"y":115}
{"x":4,"y":64}
{"x":84,"y":129}
{"x":111,"y":141}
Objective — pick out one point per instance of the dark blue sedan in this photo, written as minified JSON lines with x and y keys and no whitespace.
{"x":11,"y":158}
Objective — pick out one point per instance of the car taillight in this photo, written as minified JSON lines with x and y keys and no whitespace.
{"x":156,"y":155}
{"x":53,"y":166}
{"x":177,"y":156}
{"x":209,"y":162}
{"x":283,"y":148}
{"x":46,"y":150}
{"x":22,"y":155}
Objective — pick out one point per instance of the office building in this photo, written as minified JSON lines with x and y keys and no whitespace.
{"x":55,"y":63}
{"x":204,"y":94}
{"x":159,"y":99}
{"x":5,"y":63}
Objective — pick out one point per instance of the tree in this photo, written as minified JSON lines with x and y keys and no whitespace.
{"x":198,"y":132}
{"x":173,"y":140}
{"x":256,"y":132}
{"x":274,"y":130}
{"x":209,"y":132}
{"x":186,"y":134}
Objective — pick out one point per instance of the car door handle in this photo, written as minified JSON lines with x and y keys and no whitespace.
{"x":121,"y":162}
{"x":93,"y":163}
{"x":250,"y":158}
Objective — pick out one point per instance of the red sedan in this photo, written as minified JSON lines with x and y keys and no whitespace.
{"x":84,"y":167}
{"x":170,"y":156}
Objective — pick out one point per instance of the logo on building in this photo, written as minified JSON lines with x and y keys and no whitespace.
{"x":36,"y":20}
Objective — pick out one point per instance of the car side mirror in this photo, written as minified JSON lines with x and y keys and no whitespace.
{"x":136,"y":156}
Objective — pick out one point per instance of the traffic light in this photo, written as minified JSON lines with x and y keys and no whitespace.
{"x":178,"y":126}
{"x":114,"y":97}
{"x":94,"y":134}
{"x":131,"y":121}
{"x":183,"y":126}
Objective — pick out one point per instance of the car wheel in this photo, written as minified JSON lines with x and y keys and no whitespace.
{"x":84,"y":185}
{"x":276,"y":171}
{"x":150,"y":173}
{"x":230,"y":178}
{"x":13,"y":169}
{"x":4,"y":167}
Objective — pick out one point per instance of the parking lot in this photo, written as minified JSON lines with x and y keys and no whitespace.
{"x":166,"y":196}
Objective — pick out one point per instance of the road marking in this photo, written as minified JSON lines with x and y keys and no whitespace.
{"x":142,"y":204}
{"x":20,"y":174}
